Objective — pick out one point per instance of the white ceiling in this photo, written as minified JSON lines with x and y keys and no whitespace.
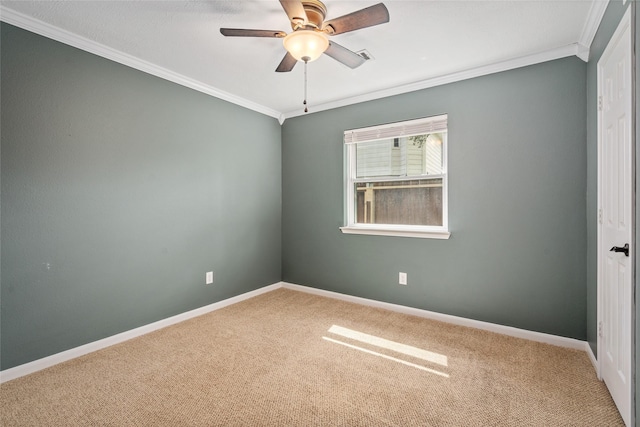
{"x":425,"y":43}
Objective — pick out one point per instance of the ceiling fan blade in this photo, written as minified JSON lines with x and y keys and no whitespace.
{"x":294,"y":10}
{"x":367,"y":17}
{"x":287,"y":63}
{"x":239,"y":32}
{"x":344,"y":55}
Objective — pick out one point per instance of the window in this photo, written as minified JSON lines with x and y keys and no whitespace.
{"x":396,"y":179}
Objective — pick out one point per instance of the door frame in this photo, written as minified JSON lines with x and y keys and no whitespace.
{"x":628,"y":19}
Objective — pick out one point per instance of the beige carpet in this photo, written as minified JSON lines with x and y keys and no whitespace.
{"x":287,"y":358}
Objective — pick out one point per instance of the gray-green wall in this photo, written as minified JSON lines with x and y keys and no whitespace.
{"x":517,"y":185}
{"x":119,"y":191}
{"x":608,"y":25}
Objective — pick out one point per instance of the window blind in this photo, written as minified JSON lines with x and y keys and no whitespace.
{"x":395,"y":130}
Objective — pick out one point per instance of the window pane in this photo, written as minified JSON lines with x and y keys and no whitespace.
{"x":414,"y":202}
{"x":406,"y":156}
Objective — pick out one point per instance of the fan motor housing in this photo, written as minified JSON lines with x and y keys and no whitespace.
{"x":316,"y":12}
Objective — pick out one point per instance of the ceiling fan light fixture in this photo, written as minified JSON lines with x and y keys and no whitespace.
{"x":306,"y":45}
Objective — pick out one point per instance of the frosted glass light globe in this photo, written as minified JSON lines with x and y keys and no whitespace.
{"x":306,"y":45}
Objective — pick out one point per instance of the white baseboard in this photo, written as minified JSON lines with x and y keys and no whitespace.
{"x":37,"y":365}
{"x":461,"y":321}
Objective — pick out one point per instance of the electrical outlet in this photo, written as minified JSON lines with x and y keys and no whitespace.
{"x":208,"y":278}
{"x":402,"y":278}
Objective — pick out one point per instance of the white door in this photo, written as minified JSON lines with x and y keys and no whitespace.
{"x":615,"y":197}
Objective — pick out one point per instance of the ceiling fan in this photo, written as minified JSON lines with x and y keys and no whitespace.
{"x":309,"y":38}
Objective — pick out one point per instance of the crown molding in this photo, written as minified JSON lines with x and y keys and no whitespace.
{"x":596,"y":13}
{"x":574,"y":49}
{"x":29,"y":23}
{"x":582,"y":52}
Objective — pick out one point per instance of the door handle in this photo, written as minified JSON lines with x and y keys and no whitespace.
{"x":624,"y":249}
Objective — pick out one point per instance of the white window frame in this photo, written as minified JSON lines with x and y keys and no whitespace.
{"x":435,"y":124}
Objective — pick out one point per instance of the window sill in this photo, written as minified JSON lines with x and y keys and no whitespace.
{"x":399,"y":232}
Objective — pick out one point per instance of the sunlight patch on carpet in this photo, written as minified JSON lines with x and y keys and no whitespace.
{"x":375,"y":353}
{"x":409,"y":350}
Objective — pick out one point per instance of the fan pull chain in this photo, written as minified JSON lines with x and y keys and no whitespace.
{"x":306,"y":61}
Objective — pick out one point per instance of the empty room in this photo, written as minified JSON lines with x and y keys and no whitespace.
{"x":303,"y":212}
